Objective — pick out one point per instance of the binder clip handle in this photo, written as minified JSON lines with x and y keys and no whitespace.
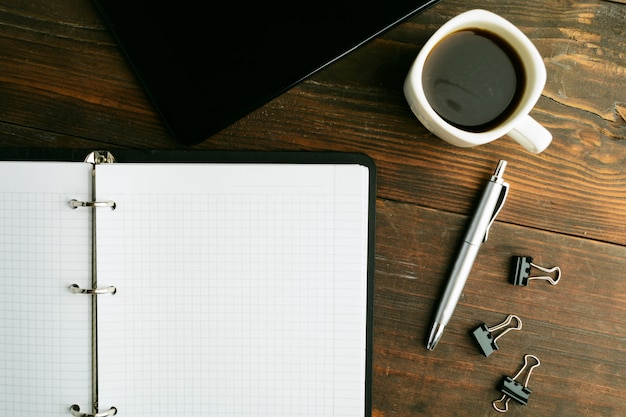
{"x":505,"y":401}
{"x":520,"y":271}
{"x":485,"y":338}
{"x":530,"y":369}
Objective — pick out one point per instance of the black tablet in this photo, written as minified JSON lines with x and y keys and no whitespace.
{"x":207,"y":64}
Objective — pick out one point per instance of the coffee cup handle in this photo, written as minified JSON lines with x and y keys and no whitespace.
{"x":531,"y":135}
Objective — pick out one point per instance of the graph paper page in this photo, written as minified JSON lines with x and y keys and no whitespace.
{"x":45,"y":338}
{"x":241,"y":289}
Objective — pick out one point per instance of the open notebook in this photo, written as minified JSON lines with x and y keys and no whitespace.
{"x":225,"y":285}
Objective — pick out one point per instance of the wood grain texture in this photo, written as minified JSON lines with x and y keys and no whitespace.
{"x":65,"y":83}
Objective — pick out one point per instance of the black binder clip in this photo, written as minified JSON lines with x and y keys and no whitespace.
{"x":485,"y":338}
{"x":515,"y":390}
{"x":520,"y":271}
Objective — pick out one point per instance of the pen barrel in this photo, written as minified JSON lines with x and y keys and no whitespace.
{"x":488,"y":208}
{"x":458,"y":277}
{"x":475,"y":236}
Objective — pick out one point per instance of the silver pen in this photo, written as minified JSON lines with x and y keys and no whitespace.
{"x":490,"y":205}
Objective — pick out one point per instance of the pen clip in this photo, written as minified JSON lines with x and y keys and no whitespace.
{"x":503,"y":193}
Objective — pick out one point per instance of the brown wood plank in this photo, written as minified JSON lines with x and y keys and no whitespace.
{"x":63,"y":72}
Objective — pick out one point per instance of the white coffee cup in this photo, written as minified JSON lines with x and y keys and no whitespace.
{"x":517,"y":123}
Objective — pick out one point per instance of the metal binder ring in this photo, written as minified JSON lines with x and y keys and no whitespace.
{"x":76,"y":204}
{"x":92,"y":291}
{"x":75,"y":410}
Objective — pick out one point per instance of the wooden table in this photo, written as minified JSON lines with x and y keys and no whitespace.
{"x":65,"y":84}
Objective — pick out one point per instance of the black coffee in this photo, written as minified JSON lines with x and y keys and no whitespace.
{"x":473,"y":79}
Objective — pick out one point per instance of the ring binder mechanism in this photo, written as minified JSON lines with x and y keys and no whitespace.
{"x":486,"y":340}
{"x":95,"y":158}
{"x":520,"y":272}
{"x":75,"y":410}
{"x":92,"y":291}
{"x":515,"y":390}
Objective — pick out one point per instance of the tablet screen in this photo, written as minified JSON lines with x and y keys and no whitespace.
{"x":207,"y":64}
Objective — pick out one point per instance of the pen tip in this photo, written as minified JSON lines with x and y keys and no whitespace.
{"x":435,"y":335}
{"x":500,"y":168}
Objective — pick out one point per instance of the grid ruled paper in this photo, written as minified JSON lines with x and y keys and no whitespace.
{"x":241,"y":289}
{"x":45,"y":339}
